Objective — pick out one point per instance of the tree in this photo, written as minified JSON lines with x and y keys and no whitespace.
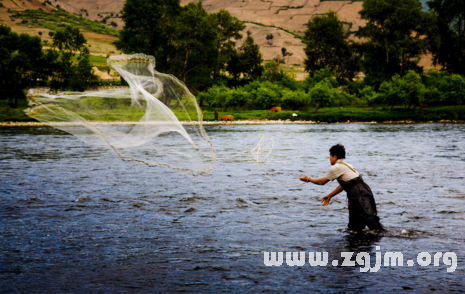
{"x":396,"y":32}
{"x":449,"y":52}
{"x":22,"y":64}
{"x":182,"y":39}
{"x":246,"y":61}
{"x":328,"y":44}
{"x":65,"y":73}
{"x":251,"y":59}
{"x":149,"y":27}
{"x":322,"y":74}
{"x":270,"y":37}
{"x":285,"y":53}
{"x":228,"y":33}
{"x":196,"y":54}
{"x":272,"y":71}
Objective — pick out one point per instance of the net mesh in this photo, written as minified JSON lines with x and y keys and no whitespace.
{"x":156,"y":120}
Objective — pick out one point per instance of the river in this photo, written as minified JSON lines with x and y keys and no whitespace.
{"x":78,"y":219}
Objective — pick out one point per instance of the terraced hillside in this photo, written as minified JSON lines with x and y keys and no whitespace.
{"x":284,"y":19}
{"x":288,"y":14}
{"x":35,"y":17}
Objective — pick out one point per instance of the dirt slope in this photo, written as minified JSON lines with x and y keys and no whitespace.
{"x":291,"y":15}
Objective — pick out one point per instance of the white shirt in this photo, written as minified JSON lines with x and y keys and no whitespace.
{"x":341,"y":170}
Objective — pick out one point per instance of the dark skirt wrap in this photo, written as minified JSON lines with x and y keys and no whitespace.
{"x":362,"y":206}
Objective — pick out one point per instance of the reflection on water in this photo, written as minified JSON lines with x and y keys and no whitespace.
{"x":78,"y":219}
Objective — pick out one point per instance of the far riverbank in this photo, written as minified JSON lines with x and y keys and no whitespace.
{"x":340,"y":114}
{"x":237,"y":122}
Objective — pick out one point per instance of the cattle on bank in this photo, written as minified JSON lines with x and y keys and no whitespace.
{"x":227,"y":117}
{"x":274,"y":109}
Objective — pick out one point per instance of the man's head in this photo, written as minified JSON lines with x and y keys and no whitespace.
{"x":336,"y":152}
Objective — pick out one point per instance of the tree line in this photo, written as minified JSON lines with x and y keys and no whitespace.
{"x":24,"y":63}
{"x":199,"y":48}
{"x":396,"y":33}
{"x":323,"y":89}
{"x":195,"y":46}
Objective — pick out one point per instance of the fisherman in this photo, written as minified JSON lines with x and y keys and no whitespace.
{"x":362,"y":206}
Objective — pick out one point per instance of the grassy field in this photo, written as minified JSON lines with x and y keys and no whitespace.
{"x":353,"y":114}
{"x":59,"y":18}
{"x":40,"y":22}
{"x":330,"y":114}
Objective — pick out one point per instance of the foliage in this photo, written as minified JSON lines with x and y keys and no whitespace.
{"x":449,"y":52}
{"x":455,"y":90}
{"x":150,"y":28}
{"x":247,"y":61}
{"x":407,"y":90}
{"x":325,"y":73}
{"x":187,"y":42}
{"x":272,"y":71}
{"x":328,"y":45}
{"x":229,"y":29}
{"x":294,"y":100}
{"x":396,"y":32}
{"x":195,"y":53}
{"x":22,"y":64}
{"x":59,"y":19}
{"x":322,"y":94}
{"x":237,"y":98}
{"x":369,"y":96}
{"x":66,"y":74}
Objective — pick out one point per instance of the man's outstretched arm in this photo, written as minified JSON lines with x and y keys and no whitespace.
{"x":325,"y":200}
{"x":320,"y":181}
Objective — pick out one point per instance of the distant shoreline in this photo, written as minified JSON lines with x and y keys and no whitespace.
{"x":237,"y":122}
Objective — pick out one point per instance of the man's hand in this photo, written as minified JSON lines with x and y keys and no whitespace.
{"x":304,"y":178}
{"x":325,"y":200}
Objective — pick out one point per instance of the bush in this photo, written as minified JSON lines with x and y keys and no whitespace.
{"x":294,"y":100}
{"x":320,"y":75}
{"x":322,"y":94}
{"x":216,"y":96}
{"x":237,"y":98}
{"x":455,"y":90}
{"x":369,"y":96}
{"x":407,"y":90}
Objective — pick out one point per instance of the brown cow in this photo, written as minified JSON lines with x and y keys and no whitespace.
{"x":274,"y":109}
{"x":227,"y":117}
{"x":423,"y":105}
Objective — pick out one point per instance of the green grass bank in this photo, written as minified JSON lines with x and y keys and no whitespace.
{"x":329,"y":114}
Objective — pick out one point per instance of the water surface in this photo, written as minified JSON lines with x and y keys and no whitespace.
{"x":76,"y":218}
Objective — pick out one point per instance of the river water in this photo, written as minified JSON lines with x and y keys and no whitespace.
{"x":77,"y":219}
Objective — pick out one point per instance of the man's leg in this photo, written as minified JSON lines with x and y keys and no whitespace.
{"x":373,"y":223}
{"x":356,"y":220}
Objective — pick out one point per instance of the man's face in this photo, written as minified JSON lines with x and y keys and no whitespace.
{"x":332,"y":159}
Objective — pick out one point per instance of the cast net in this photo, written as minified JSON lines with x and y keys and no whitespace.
{"x":156,"y":121}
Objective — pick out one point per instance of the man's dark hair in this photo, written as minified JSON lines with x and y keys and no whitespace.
{"x":338,"y":150}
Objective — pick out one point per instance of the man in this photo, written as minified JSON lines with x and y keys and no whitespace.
{"x":216,"y":115}
{"x":362,"y":206}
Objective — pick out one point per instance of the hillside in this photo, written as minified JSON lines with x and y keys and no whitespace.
{"x":291,"y":15}
{"x":285,"y":19}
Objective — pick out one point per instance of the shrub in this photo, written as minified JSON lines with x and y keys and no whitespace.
{"x":455,"y":90}
{"x":294,"y":100}
{"x":322,"y":94}
{"x":237,"y":98}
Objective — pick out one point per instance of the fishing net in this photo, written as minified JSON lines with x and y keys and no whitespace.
{"x":155,"y":121}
